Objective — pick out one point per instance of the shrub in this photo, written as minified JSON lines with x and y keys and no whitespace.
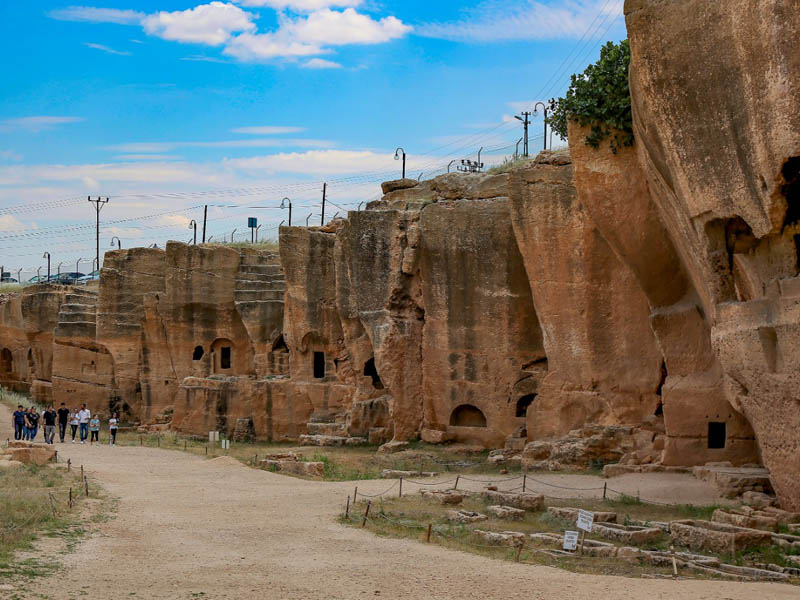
{"x":599,"y":98}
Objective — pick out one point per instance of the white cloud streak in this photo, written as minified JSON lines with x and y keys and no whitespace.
{"x":321,"y":63}
{"x":509,"y":20}
{"x":302,"y":5}
{"x":267,"y":130}
{"x":37,"y":124}
{"x":91,"y":14}
{"x":106,"y":49}
{"x":212,"y":24}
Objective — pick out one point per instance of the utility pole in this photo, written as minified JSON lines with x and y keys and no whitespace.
{"x":98,"y":206}
{"x":205,"y":218}
{"x":544,"y":108}
{"x":525,"y":119}
{"x":324,"y":192}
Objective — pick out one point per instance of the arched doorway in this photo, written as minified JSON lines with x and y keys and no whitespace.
{"x":523,"y":404}
{"x":467,"y":415}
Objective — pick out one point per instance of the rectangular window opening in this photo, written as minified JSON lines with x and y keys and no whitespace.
{"x":319,"y":365}
{"x":717,"y":435}
{"x":225,"y":357}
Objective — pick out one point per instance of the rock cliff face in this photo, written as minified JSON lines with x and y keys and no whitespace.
{"x":717,"y":120}
{"x":641,"y":306}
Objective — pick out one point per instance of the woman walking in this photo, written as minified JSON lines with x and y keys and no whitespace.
{"x":94,"y":429}
{"x":74,"y":421}
{"x":113,"y":424}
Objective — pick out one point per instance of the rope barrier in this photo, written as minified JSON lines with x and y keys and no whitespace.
{"x":429,"y":484}
{"x":394,"y":485}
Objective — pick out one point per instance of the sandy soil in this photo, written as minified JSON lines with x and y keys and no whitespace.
{"x":187,"y":527}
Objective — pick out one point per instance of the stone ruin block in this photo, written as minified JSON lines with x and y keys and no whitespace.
{"x":28,"y":453}
{"x":525,"y":501}
{"x":506,"y":512}
{"x":465,"y":517}
{"x":627,"y":534}
{"x":450,"y":497}
{"x":513,"y":539}
{"x":571,"y":514}
{"x":717,"y":537}
{"x":751,"y":521}
{"x":290,"y":464}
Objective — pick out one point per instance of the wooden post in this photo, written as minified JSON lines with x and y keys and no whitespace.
{"x":366,"y":513}
{"x":86,"y":485}
{"x":674,"y":562}
{"x":428,"y":537}
{"x":82,"y":476}
{"x":455,"y":487}
{"x":141,"y":441}
{"x":524,"y":483}
{"x":70,"y":497}
{"x":583,"y":537}
{"x":519,"y":551}
{"x":206,"y":449}
{"x":184,"y":445}
{"x":355,"y":495}
{"x":347,"y":509}
{"x":69,"y":465}
{"x":401,"y":488}
{"x":55,"y":457}
{"x":605,"y":489}
{"x":53,"y":506}
{"x":158,"y":440}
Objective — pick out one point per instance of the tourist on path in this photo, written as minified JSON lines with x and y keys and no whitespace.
{"x":63,"y":419}
{"x":33,"y":423}
{"x":49,"y":425}
{"x":94,"y":429}
{"x":113,"y":424}
{"x":74,"y":421}
{"x":19,"y":423}
{"x":84,"y":414}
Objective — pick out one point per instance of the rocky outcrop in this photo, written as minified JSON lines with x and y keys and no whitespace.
{"x":604,"y":366}
{"x":720,"y":147}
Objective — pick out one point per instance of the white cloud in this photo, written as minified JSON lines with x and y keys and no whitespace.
{"x":268,"y":130}
{"x":37,"y":124}
{"x":11,"y":223}
{"x":92,"y":14}
{"x":302,"y":5}
{"x":254,"y":47}
{"x":321,"y":63}
{"x":103,"y":48}
{"x":308,"y":35}
{"x":162,"y":147}
{"x":336,"y":28}
{"x":203,"y":58}
{"x":503,"y":20}
{"x":135,"y":157}
{"x":316,"y":162}
{"x":211,"y":24}
{"x":10,"y":155}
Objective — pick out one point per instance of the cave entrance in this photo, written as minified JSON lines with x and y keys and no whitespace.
{"x":319,"y":365}
{"x":467,"y":415}
{"x":31,"y":363}
{"x":6,"y":362}
{"x":222,"y":355}
{"x":717,"y":435}
{"x":198,"y":353}
{"x":225,"y":357}
{"x":280,"y":345}
{"x":371,"y":371}
{"x":523,"y":404}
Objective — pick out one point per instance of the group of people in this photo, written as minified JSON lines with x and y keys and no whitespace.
{"x":26,"y":424}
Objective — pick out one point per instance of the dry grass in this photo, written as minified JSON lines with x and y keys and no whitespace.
{"x":409,"y":517}
{"x":10,"y":288}
{"x":341,"y":464}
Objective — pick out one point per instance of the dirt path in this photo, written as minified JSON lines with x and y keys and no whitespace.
{"x":187,"y":527}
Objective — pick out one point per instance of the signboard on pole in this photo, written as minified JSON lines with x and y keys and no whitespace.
{"x":252,"y":222}
{"x":226,"y":444}
{"x":585,"y":520}
{"x":570,"y":540}
{"x":213,"y":436}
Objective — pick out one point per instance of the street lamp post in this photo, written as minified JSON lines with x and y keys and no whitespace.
{"x":193,"y":224}
{"x":39,"y":275}
{"x":119,"y":242}
{"x":257,"y":228}
{"x":283,"y":205}
{"x":79,"y":261}
{"x":307,"y":218}
{"x":47,"y":256}
{"x":397,"y":154}
{"x":58,"y":271}
{"x":544,"y":108}
{"x":232,"y":234}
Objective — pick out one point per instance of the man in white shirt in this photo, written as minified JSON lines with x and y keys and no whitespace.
{"x":83,"y":418}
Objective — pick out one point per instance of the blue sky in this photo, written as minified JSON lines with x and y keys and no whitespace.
{"x":167,"y":105}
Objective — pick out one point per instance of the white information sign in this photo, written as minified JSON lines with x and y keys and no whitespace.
{"x":570,"y":540}
{"x":585,"y":520}
{"x":213,"y":436}
{"x":226,"y":444}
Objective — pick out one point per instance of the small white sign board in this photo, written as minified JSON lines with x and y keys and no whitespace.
{"x":585,"y":520}
{"x":213,"y":436}
{"x":570,"y":540}
{"x":226,"y":444}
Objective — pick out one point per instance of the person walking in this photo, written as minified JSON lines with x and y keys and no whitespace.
{"x":94,"y":429}
{"x":84,"y":414}
{"x":113,"y":424}
{"x":26,"y":430}
{"x":33,"y":423}
{"x":74,"y":421}
{"x":49,"y":417}
{"x":19,"y":423}
{"x":63,"y":419}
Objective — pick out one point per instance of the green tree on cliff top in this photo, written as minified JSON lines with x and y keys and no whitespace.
{"x":599,"y":98}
